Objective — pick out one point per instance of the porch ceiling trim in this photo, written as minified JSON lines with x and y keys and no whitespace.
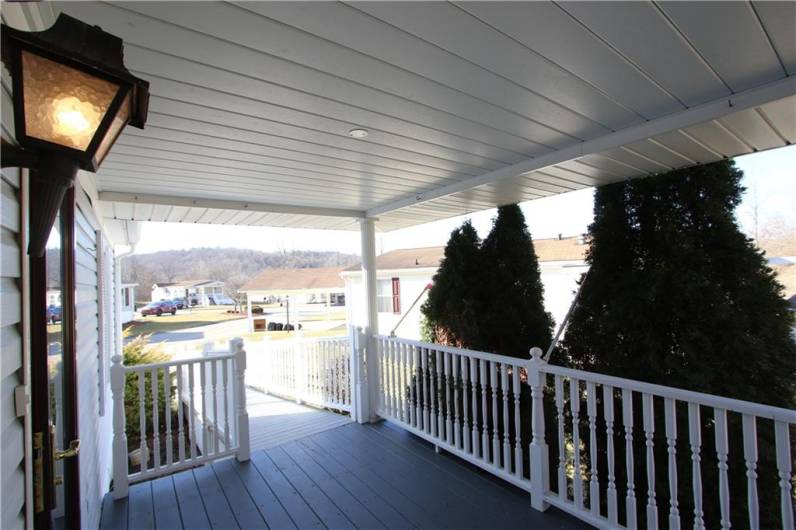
{"x":695,"y":115}
{"x":197,"y":202}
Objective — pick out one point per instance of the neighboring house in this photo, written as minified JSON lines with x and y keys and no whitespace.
{"x":322,"y":284}
{"x":54,"y":297}
{"x":402,"y":277}
{"x":197,"y":292}
{"x":128,"y":302}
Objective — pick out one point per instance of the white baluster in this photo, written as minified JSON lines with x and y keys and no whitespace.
{"x":391,"y":379}
{"x":515,"y":383}
{"x":433,"y":396}
{"x":417,"y":413}
{"x":670,"y":415}
{"x":224,"y":385}
{"x":180,"y":416}
{"x":203,"y":384}
{"x":649,"y":432}
{"x":406,"y":379}
{"x":476,"y":435}
{"x":493,"y":381}
{"x":484,"y":391}
{"x":466,"y":432}
{"x":594,"y":481}
{"x":562,"y":451}
{"x":750,"y":457}
{"x":440,"y":411}
{"x":426,"y":397}
{"x":118,"y":379}
{"x":191,"y":410}
{"x":504,"y":386}
{"x":448,"y":404}
{"x":384,"y":380}
{"x":722,"y":450}
{"x":784,"y":469}
{"x":611,"y":494}
{"x":214,"y":394}
{"x":457,"y":427}
{"x":167,"y":414}
{"x":155,"y":423}
{"x":627,"y":420}
{"x":695,"y":440}
{"x":142,"y":422}
{"x":574,"y":407}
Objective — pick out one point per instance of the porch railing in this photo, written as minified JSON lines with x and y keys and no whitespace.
{"x":490,"y":410}
{"x":210,"y":420}
{"x":316,"y":371}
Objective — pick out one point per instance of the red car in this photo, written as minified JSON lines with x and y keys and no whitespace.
{"x":158,"y":308}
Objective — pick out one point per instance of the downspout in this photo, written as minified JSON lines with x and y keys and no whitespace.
{"x":117,"y":302}
{"x":426,"y":288}
{"x":563,"y":326}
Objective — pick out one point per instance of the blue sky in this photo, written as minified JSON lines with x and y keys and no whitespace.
{"x":770,"y":179}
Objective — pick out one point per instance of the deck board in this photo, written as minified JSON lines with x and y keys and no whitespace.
{"x":353,"y":476}
{"x":192,"y":508}
{"x":167,"y":511}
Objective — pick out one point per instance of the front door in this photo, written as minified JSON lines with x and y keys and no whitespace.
{"x":53,"y":375}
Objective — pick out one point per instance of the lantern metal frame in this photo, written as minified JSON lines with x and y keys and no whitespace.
{"x":90,"y":50}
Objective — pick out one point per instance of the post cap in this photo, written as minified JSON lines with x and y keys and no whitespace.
{"x":536,"y":353}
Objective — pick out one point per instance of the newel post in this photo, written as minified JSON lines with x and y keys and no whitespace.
{"x":540,"y":470}
{"x":359,"y":407}
{"x":236,"y":348}
{"x":120,"y":483}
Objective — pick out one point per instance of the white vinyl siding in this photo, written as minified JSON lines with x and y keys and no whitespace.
{"x":95,"y":428}
{"x":12,"y":429}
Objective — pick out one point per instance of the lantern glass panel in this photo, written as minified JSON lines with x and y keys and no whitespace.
{"x":63,"y":105}
{"x":118,"y":123}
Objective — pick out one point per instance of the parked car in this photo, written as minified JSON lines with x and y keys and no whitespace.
{"x":179,"y":303}
{"x":53,"y":314}
{"x":158,"y":308}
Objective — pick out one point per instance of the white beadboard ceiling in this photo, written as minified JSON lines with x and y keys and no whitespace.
{"x":469,"y":105}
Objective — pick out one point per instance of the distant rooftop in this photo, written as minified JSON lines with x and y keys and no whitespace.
{"x":296,"y":279}
{"x":557,"y":249}
{"x":186,"y":283}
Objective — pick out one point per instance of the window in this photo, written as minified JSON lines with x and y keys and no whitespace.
{"x":126,"y":291}
{"x":388,"y":295}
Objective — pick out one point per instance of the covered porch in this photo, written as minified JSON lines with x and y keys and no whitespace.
{"x":374,"y":117}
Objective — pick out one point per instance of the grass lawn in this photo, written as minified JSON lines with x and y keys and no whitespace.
{"x":184,"y":319}
{"x":339,"y":331}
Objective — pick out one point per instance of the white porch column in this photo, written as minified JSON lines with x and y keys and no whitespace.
{"x":368,"y":241}
{"x":249,"y":318}
{"x":117,"y":307}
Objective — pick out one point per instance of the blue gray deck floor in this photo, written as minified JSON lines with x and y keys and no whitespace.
{"x":353,"y":476}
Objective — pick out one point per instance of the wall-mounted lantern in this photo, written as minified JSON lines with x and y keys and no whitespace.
{"x":73,"y":96}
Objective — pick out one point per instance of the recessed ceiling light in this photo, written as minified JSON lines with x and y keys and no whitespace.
{"x":357,"y":133}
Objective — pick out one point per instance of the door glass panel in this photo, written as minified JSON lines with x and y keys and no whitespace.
{"x":55,"y":357}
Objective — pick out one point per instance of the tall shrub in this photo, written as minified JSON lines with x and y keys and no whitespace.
{"x":452,"y":311}
{"x":678,"y":296}
{"x":512,"y":315}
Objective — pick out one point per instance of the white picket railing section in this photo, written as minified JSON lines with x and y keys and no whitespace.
{"x":208,"y":393}
{"x":469,"y":403}
{"x":458,"y":399}
{"x":316,"y":371}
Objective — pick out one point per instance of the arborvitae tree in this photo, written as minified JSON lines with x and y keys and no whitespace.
{"x":452,"y":310}
{"x":511,"y":310}
{"x":677,"y":295}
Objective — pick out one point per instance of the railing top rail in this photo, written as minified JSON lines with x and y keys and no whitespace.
{"x":177,"y":362}
{"x":459,"y":351}
{"x":710,"y":400}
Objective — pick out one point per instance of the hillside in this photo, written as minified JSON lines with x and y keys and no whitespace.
{"x":231,"y":265}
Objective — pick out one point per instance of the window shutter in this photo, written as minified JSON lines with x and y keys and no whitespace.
{"x":396,"y":296}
